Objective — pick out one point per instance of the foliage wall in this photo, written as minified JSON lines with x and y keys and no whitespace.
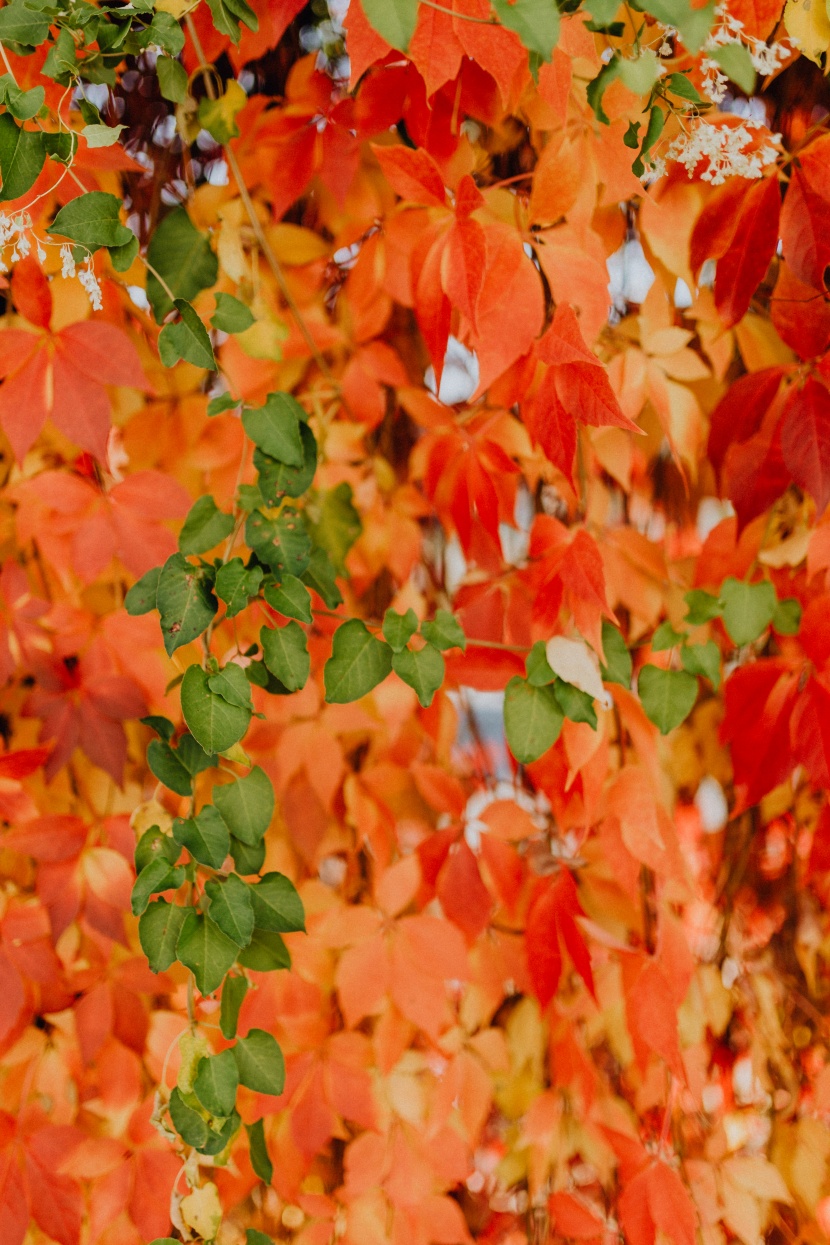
{"x":414,"y":631}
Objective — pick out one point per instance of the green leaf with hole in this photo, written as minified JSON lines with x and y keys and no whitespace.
{"x":747,"y":609}
{"x":185,"y":602}
{"x":206,"y":951}
{"x":423,"y":671}
{"x":233,"y":996}
{"x":285,"y":651}
{"x":358,"y":663}
{"x":702,"y":659}
{"x":283,"y":544}
{"x":260,"y":1062}
{"x":398,"y":629}
{"x":214,"y":723}
{"x":444,"y":632}
{"x":394,"y":20}
{"x":205,"y":836}
{"x":276,"y":904}
{"x":93,"y":220}
{"x":22,"y":156}
{"x":186,"y":340}
{"x":247,"y":805}
{"x":536,"y":22}
{"x":180,"y":253}
{"x":532,"y":719}
{"x":154,"y":845}
{"x":231,"y":908}
{"x":231,"y":315}
{"x":667,"y":696}
{"x":290,"y":597}
{"x":159,"y":927}
{"x":216,"y":1083}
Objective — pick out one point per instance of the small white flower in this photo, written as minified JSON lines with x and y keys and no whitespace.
{"x":90,"y":283}
{"x":67,"y":262}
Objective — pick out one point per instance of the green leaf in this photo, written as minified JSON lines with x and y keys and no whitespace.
{"x":159,"y":927}
{"x":536,"y":22}
{"x":703,"y":659}
{"x":574,"y":703}
{"x":656,"y":122}
{"x":233,"y":686}
{"x":247,"y":805}
{"x":215,"y":724}
{"x":319,"y":575}
{"x":231,"y":315}
{"x":703,"y":607}
{"x":205,"y":527}
{"x":247,"y":858}
{"x":218,"y":117}
{"x":736,"y":63}
{"x":290,"y":597}
{"x":597,"y":88}
{"x":283,"y":544}
{"x":141,"y":598}
{"x":285,"y":651}
{"x":188,"y":1123}
{"x":22,"y":155}
{"x":423,"y":671}
{"x":193,"y":756}
{"x":185,"y":602}
{"x":166,"y":766}
{"x":260,"y":1062}
{"x":265,"y":953}
{"x":262,"y":1165}
{"x":233,"y":996}
{"x":165,"y":31}
{"x":163,"y":727}
{"x":235,"y":585}
{"x":102,"y":135}
{"x":275,"y":428}
{"x":158,"y":875}
{"x":748,"y":609}
{"x":206,"y":951}
{"x":227,"y":14}
{"x":224,"y":402}
{"x":278,"y":479}
{"x":21,"y":24}
{"x":398,"y":629}
{"x":186,"y":339}
{"x":618,"y":666}
{"x":231,"y":908}
{"x":665,"y":637}
{"x":532,"y":719}
{"x":253,"y":1236}
{"x":537,"y":668}
{"x":216,"y":1083}
{"x":21,"y":104}
{"x":358,"y":663}
{"x":603,"y":11}
{"x":394,"y":20}
{"x":172,"y":77}
{"x":640,"y":73}
{"x":667,"y":696}
{"x":181,"y":254}
{"x":444,"y":632}
{"x":154,"y":845}
{"x":276,"y":904}
{"x":787,"y":617}
{"x":92,"y":220}
{"x":205,"y":836}
{"x":694,"y":24}
{"x":679,"y":84}
{"x":121,"y":257}
{"x":338,"y":525}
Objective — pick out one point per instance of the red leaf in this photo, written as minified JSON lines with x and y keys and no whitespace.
{"x":31,"y":293}
{"x":413,"y":174}
{"x":742,"y":267}
{"x":715,"y":227}
{"x":462,"y":266}
{"x":801,"y":314}
{"x":550,"y":922}
{"x":805,"y":440}
{"x":464,"y":897}
{"x":741,"y":410}
{"x":551,"y":426}
{"x":805,"y":216}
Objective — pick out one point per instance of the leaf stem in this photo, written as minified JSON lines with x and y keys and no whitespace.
{"x":462,"y":17}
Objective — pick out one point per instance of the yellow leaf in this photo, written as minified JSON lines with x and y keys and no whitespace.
{"x":192,"y":1048}
{"x":809,"y":26}
{"x":202,"y":1211}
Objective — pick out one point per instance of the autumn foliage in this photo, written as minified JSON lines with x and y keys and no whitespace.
{"x":415,"y":622}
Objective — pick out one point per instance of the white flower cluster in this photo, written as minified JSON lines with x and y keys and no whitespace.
{"x":766,"y":58}
{"x":727,"y":149}
{"x":14,"y":230}
{"x":92,"y":286}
